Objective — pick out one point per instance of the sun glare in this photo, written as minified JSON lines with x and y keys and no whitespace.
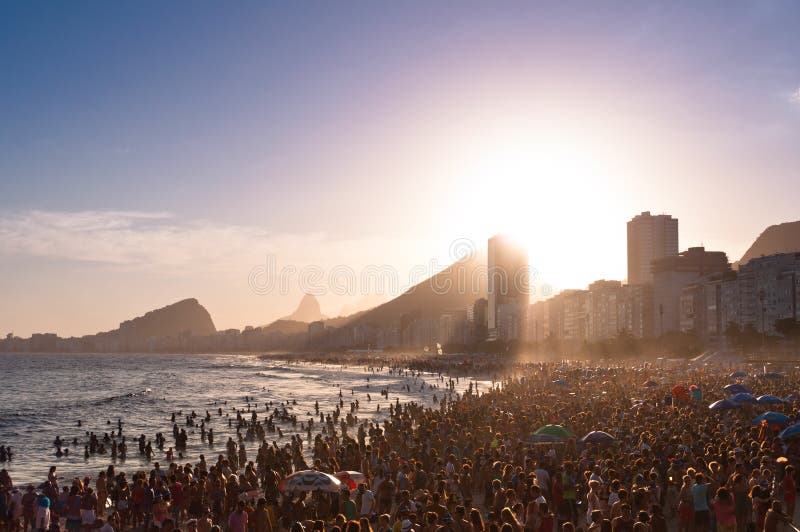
{"x":548,"y":193}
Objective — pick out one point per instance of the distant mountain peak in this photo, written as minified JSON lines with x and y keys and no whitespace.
{"x":307,"y":311}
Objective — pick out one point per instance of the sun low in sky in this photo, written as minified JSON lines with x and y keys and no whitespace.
{"x":152,"y":152}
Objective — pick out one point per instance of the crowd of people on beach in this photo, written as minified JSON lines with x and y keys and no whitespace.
{"x":505,"y":458}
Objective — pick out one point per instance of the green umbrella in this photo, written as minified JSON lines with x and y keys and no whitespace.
{"x":554,"y":430}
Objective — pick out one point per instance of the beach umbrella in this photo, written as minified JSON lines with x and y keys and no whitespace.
{"x":650,"y":384}
{"x":791,"y":398}
{"x":680,"y":393}
{"x":744,"y":398}
{"x":310,"y":480}
{"x":598,"y":436}
{"x":774,"y":375}
{"x":773,"y":419}
{"x":790,"y":432}
{"x":769,"y":400}
{"x":560,"y":382}
{"x":738,"y":375}
{"x":724,"y":404}
{"x":351,"y":478}
{"x":554,"y":430}
{"x":545,"y":438}
{"x":733,"y":389}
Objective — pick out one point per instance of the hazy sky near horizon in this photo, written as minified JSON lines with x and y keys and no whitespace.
{"x":154,"y":151}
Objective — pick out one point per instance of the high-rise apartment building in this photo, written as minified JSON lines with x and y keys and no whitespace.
{"x":509,"y":289}
{"x":649,"y":238}
{"x":672,"y":274}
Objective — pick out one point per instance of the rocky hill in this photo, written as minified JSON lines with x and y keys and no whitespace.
{"x":184,"y":317}
{"x":781,"y":238}
{"x":458,"y":286}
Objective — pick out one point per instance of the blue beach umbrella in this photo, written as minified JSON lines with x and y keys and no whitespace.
{"x":733,"y":389}
{"x":774,"y":375}
{"x":744,"y":398}
{"x":769,"y":400}
{"x":724,"y":404}
{"x":598,"y":436}
{"x":738,"y":375}
{"x":790,"y":432}
{"x":791,"y":398}
{"x":773,"y":419}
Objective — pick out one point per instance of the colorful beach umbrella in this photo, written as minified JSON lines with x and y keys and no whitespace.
{"x":351,"y":478}
{"x":733,"y":389}
{"x":773,"y":419}
{"x":724,"y":404}
{"x":769,"y":400}
{"x":554,"y":430}
{"x":310,"y":480}
{"x":598,"y":436}
{"x":681,"y":393}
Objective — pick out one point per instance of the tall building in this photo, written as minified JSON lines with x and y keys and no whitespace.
{"x":509,"y":289}
{"x":769,"y":290}
{"x":672,"y":274}
{"x":603,"y":304}
{"x":478,"y":319}
{"x":649,"y":238}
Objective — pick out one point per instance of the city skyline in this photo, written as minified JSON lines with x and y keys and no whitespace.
{"x":151,"y":153}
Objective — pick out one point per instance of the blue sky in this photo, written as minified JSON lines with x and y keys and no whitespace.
{"x":352,"y":132}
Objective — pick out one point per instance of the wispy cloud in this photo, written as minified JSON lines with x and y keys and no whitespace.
{"x":137,"y":239}
{"x":794,"y":97}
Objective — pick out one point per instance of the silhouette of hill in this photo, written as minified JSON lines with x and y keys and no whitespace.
{"x":781,"y":238}
{"x":458,"y":286}
{"x":285,"y":326}
{"x":307,"y":311}
{"x":187,"y":316}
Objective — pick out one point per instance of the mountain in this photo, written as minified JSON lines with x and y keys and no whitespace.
{"x":458,"y":286}
{"x":781,"y":238}
{"x":187,"y":316}
{"x":307,"y":311}
{"x":285,"y":326}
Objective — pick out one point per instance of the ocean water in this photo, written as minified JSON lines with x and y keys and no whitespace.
{"x":44,"y":395}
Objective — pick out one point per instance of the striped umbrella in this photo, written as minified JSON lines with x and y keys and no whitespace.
{"x":310,"y":480}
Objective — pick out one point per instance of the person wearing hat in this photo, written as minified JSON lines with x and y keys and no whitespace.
{"x":42,"y":518}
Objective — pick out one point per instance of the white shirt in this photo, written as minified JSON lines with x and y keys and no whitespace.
{"x":367,"y":502}
{"x":542,"y":478}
